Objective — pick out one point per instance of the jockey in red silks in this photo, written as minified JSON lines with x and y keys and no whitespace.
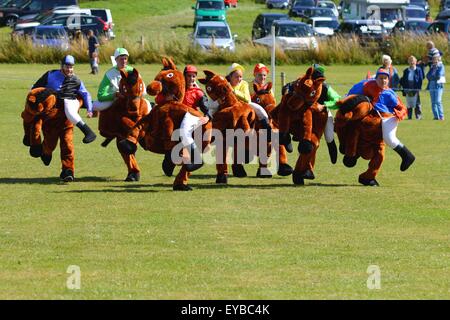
{"x":391,"y":110}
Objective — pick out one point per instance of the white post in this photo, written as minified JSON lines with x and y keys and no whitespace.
{"x":273,"y":58}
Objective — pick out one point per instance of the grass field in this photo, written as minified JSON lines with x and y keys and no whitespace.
{"x":253,"y":239}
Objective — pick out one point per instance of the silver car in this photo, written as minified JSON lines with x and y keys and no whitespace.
{"x":279,"y":4}
{"x":213,"y":34}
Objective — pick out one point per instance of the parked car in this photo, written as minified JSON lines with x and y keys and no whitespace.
{"x":414,"y":13}
{"x":291,"y":35}
{"x":213,"y":34}
{"x":323,"y":26}
{"x":278,"y":4}
{"x":443,"y":15}
{"x":366,"y":31}
{"x":209,"y":10}
{"x":318,"y":12}
{"x":421,"y":3}
{"x":440,"y":26}
{"x":230,"y":3}
{"x":412,"y":27}
{"x":50,"y":36}
{"x":9,"y":16}
{"x":330,"y":5}
{"x":263,"y":23}
{"x":444,"y":5}
{"x":299,"y":6}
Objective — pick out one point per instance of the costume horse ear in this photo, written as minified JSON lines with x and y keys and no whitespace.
{"x":319,"y":80}
{"x":168,"y":64}
{"x":123,"y":73}
{"x":309,"y":72}
{"x":269,"y":86}
{"x":209,"y":76}
{"x":255,"y":88}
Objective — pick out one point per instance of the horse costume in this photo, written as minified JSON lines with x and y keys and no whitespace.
{"x":44,"y":112}
{"x":154,"y":131}
{"x":232,"y":114}
{"x":299,"y":114}
{"x":116,"y":121}
{"x":265,"y":99}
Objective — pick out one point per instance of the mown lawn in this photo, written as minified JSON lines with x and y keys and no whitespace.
{"x":253,"y":239}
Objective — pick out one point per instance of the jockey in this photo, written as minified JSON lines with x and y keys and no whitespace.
{"x":68,"y":87}
{"x":260,"y":71}
{"x":194,"y":95}
{"x":391,"y":110}
{"x":241,"y":90}
{"x":109,"y":87}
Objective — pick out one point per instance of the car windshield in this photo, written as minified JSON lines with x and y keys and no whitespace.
{"x":50,"y":33}
{"x":411,"y":13}
{"x":213,"y":5}
{"x":304,"y":3}
{"x":389,"y":14}
{"x":328,"y":5}
{"x":216,"y":32}
{"x":417,"y":3}
{"x":269,"y":20}
{"x":417,"y":25}
{"x":327,"y":24}
{"x":292,"y":31}
{"x":319,"y":12}
{"x":20,"y":3}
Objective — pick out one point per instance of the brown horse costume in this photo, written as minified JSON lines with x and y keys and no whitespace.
{"x":299,"y":114}
{"x":232,"y":114}
{"x":116,"y":121}
{"x":42,"y":113}
{"x":358,"y":128}
{"x":266,"y":100}
{"x":155,"y":130}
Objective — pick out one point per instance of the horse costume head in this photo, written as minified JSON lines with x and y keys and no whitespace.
{"x":40,"y":100}
{"x":169,"y":82}
{"x":307,"y":90}
{"x":219,"y":89}
{"x":264,"y":97}
{"x":131,"y":84}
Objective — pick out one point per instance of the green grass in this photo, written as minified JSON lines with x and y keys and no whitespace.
{"x":252,"y":239}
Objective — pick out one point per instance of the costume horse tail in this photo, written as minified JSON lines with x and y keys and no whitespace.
{"x":355,"y":107}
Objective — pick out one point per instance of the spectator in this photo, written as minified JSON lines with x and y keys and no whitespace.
{"x":431,"y":51}
{"x":93,"y":45}
{"x":411,"y":82}
{"x":394,"y":78}
{"x":436,"y":80}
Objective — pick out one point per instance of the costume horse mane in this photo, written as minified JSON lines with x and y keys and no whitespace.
{"x":43,"y":112}
{"x":128,"y":108}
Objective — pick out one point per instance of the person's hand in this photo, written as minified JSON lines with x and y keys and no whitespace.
{"x":90,"y":114}
{"x":320,"y":107}
{"x":400,"y":115}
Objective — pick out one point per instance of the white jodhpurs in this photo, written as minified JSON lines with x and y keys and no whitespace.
{"x":71,"y":107}
{"x":329,"y":128}
{"x":389,"y":128}
{"x":261,"y":114}
{"x":187,"y":127}
{"x":101,"y":105}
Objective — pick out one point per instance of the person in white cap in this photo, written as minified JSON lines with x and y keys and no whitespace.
{"x":109,"y":87}
{"x":69,"y":87}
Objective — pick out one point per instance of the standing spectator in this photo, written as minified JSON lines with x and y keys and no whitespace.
{"x":431,"y":51}
{"x":394,"y":78}
{"x":436,"y":80}
{"x":411,"y":83}
{"x":93,"y":51}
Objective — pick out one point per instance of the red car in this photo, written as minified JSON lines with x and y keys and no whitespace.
{"x":230,"y":3}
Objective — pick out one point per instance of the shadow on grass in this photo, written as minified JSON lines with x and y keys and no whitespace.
{"x":184,"y":26}
{"x":51,"y":180}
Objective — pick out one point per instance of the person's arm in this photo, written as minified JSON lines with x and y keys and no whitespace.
{"x":104,"y":90}
{"x":242,"y":92}
{"x":332,"y":98}
{"x":42,"y":82}
{"x":87,"y":100}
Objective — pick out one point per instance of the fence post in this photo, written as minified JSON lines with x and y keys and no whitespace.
{"x":283,"y":79}
{"x":142,"y":42}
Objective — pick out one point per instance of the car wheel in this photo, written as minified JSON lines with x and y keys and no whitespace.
{"x":11,"y":21}
{"x":270,"y":6}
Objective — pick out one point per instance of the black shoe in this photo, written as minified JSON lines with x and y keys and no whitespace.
{"x":182,"y":187}
{"x":89,"y":135}
{"x":36,"y":150}
{"x":406,"y":155}
{"x":133,"y":176}
{"x":238,"y":170}
{"x":368,"y":182}
{"x":66,"y":175}
{"x":298,"y":179}
{"x":332,"y":151}
{"x":222,"y":178}
{"x":264,"y":123}
{"x":263,"y":173}
{"x":105,"y":143}
{"x":350,"y":162}
{"x":285,"y":170}
{"x":167,"y":165}
{"x":305,"y":146}
{"x":308,"y":174}
{"x":26,"y":140}
{"x":127,"y":147}
{"x":46,"y":159}
{"x":196,"y":159}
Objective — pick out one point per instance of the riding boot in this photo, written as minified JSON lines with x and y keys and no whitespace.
{"x":406,"y":155}
{"x":196,"y":158}
{"x":89,"y":135}
{"x":264,"y":123}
